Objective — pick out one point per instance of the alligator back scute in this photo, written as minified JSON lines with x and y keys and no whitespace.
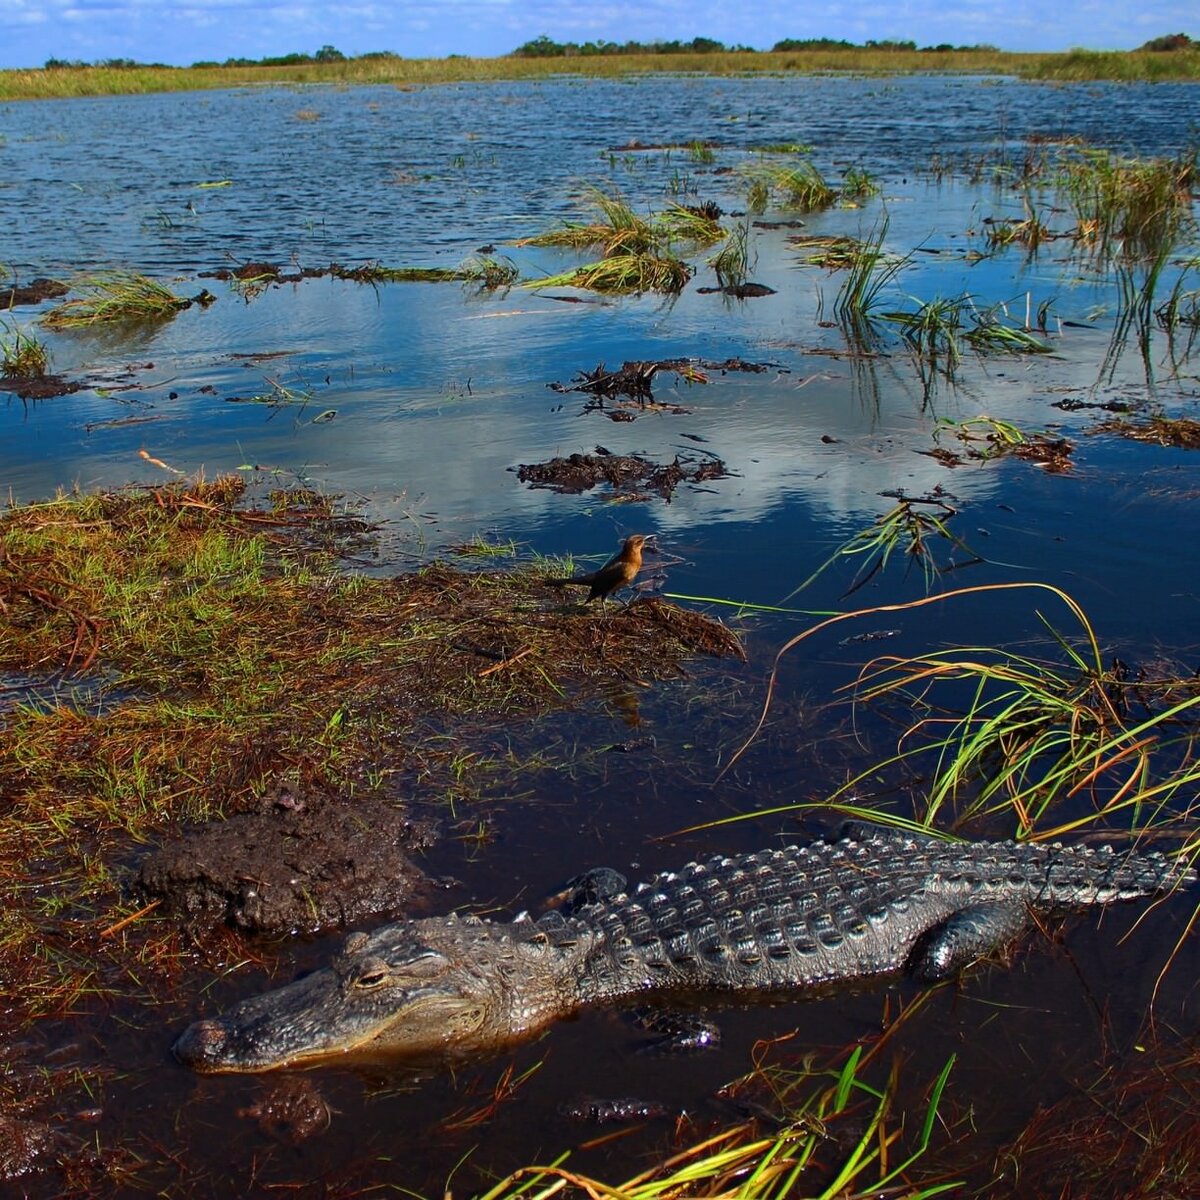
{"x":808,"y":915}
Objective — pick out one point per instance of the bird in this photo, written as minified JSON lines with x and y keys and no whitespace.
{"x":617,"y":573}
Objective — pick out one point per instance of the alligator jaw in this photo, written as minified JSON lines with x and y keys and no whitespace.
{"x":415,"y":991}
{"x":309,"y":1021}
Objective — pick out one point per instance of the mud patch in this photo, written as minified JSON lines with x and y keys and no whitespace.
{"x":39,"y":387}
{"x":33,"y":292}
{"x":306,"y":863}
{"x":629,"y":475}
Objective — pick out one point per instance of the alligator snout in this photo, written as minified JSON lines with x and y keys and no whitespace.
{"x":201,"y":1044}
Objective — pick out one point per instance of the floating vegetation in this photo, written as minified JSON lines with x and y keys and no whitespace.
{"x":1031,"y":231}
{"x":1159,"y":430}
{"x":987,"y":438}
{"x":859,"y":184}
{"x":488,"y":271}
{"x":631,"y":477}
{"x":698,"y":223}
{"x":619,"y":232}
{"x":119,"y":296}
{"x":937,"y":331}
{"x":637,"y":253}
{"x":655,"y":271}
{"x":22,"y":355}
{"x":834,"y":252}
{"x":800,"y":186}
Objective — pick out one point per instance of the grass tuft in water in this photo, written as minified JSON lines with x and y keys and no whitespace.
{"x":1134,"y":207}
{"x":657,"y":271}
{"x":23,"y":355}
{"x":115,"y":296}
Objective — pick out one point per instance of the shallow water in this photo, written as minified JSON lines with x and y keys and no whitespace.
{"x":438,"y":393}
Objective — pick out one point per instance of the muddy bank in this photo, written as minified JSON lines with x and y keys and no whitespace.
{"x":304,"y":863}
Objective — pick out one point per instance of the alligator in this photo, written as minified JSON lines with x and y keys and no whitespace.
{"x":763,"y":926}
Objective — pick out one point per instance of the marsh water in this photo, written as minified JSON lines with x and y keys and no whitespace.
{"x":417,"y":402}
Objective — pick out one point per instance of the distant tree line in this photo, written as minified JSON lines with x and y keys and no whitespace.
{"x":326,"y":54}
{"x":1172,"y":41}
{"x":545,"y":47}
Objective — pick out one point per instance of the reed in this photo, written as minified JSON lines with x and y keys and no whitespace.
{"x":1134,"y":207}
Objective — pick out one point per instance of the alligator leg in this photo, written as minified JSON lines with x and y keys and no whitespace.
{"x":965,"y":936}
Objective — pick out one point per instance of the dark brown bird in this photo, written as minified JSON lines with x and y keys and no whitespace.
{"x":617,"y":573}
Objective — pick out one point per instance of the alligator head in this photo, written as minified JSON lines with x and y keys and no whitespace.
{"x":416,"y":989}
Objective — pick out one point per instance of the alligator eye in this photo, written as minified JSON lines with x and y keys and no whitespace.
{"x":376,"y":977}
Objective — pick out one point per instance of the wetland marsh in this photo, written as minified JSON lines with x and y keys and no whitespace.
{"x":917,"y":449}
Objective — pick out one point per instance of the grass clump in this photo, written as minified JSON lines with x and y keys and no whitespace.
{"x":1136,"y":207}
{"x":618,"y":229}
{"x":23,"y":355}
{"x":636,"y":251}
{"x":797,"y":185}
{"x":116,"y":296}
{"x":657,"y":271}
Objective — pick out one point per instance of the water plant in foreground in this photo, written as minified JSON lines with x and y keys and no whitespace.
{"x":1057,"y":743}
{"x":119,"y":296}
{"x":836,"y":1135}
{"x":912,"y":527}
{"x":22,"y":354}
{"x":1134,"y":207}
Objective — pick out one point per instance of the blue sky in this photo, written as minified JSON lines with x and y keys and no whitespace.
{"x":183,"y":32}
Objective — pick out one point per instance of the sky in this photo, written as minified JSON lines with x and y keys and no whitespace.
{"x":186,"y":31}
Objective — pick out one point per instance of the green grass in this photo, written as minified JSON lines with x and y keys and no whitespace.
{"x":22,"y":355}
{"x":657,"y":271}
{"x":835,"y":1134}
{"x":913,"y":530}
{"x":27,"y":84}
{"x":1135,"y":207}
{"x":1053,"y":743}
{"x":115,"y":296}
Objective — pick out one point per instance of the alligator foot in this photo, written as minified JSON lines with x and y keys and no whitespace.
{"x":675,"y":1032}
{"x":965,"y":937}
